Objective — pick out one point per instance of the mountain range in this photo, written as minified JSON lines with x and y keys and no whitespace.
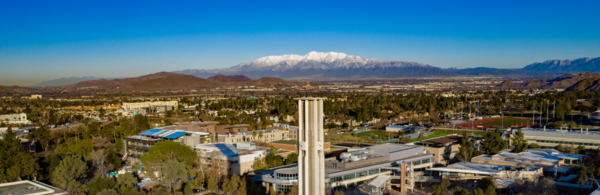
{"x":340,"y":65}
{"x":66,"y":81}
{"x":322,"y":66}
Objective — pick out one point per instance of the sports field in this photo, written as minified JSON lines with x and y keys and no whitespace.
{"x":514,"y":122}
{"x":508,"y":122}
{"x":378,"y":133}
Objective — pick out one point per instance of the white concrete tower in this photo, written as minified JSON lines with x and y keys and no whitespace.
{"x":311,"y":160}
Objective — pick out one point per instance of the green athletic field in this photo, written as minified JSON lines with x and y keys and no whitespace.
{"x":507,"y":122}
{"x":379,"y":133}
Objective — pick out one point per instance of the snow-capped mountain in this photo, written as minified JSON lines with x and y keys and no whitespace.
{"x":331,"y":64}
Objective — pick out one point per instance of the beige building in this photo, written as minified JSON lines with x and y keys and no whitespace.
{"x":158,"y":105}
{"x":268,"y":135}
{"x":15,"y":118}
{"x":444,"y":149}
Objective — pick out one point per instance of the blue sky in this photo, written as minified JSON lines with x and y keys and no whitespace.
{"x":43,"y":40}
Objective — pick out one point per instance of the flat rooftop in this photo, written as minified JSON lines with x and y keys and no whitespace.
{"x":225,"y":148}
{"x":532,"y":155}
{"x":564,"y":134}
{"x":442,"y":140}
{"x":480,"y":168}
{"x":387,"y":149}
{"x":286,"y":142}
{"x":28,"y":187}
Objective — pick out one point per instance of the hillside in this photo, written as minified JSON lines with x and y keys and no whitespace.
{"x":66,"y":81}
{"x":173,"y":82}
{"x":560,"y":82}
{"x":230,"y":78}
{"x":4,"y":91}
{"x":509,"y":84}
{"x":164,"y":81}
{"x":103,"y":83}
{"x":590,"y":84}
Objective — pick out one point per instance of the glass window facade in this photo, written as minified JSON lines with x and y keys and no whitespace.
{"x":286,"y":176}
{"x":351,"y":176}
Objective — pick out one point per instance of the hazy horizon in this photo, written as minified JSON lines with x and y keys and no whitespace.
{"x":44,"y":40}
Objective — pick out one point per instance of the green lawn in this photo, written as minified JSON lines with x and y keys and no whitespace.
{"x":288,"y":142}
{"x":507,"y":122}
{"x":431,"y":136}
{"x":380,"y":134}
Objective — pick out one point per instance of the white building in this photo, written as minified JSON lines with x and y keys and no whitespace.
{"x":241,"y":156}
{"x":15,"y":118}
{"x":158,"y":105}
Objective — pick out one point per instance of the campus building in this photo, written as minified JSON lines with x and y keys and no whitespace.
{"x":211,"y":127}
{"x":20,"y":118}
{"x":138,"y":145}
{"x":546,"y":158}
{"x":267,"y":136}
{"x":552,"y":138}
{"x":465,"y":170}
{"x":240,"y":156}
{"x":30,"y":187}
{"x":594,"y":118}
{"x":444,"y":149}
{"x":354,"y":168}
{"x":159,"y":106}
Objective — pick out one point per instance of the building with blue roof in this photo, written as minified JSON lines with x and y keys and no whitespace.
{"x":138,"y":145}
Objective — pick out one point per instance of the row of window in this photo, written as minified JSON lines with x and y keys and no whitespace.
{"x":352,"y":176}
{"x":568,"y":143}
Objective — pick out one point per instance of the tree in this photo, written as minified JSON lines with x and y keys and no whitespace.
{"x":272,"y":191}
{"x":159,"y":191}
{"x":127,"y":179}
{"x":294,"y":190}
{"x":462,"y":192}
{"x":535,"y":186}
{"x":108,"y":192}
{"x":242,"y":187}
{"x":99,"y":164}
{"x":291,"y":158}
{"x":465,"y":150}
{"x":421,"y":137}
{"x":41,"y":135}
{"x":559,"y":147}
{"x":15,"y":162}
{"x":345,"y":125}
{"x":519,"y":143}
{"x":165,"y":151}
{"x":478,"y":191}
{"x":171,"y":172}
{"x":493,"y":142}
{"x":254,"y":135}
{"x":212,"y":182}
{"x":533,"y":146}
{"x":187,"y":190}
{"x":68,"y":174}
{"x":127,"y":184}
{"x":490,"y":190}
{"x":260,"y":136}
{"x":101,"y":183}
{"x":442,"y":188}
{"x":337,"y":192}
{"x":487,"y":183}
{"x":232,"y":184}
